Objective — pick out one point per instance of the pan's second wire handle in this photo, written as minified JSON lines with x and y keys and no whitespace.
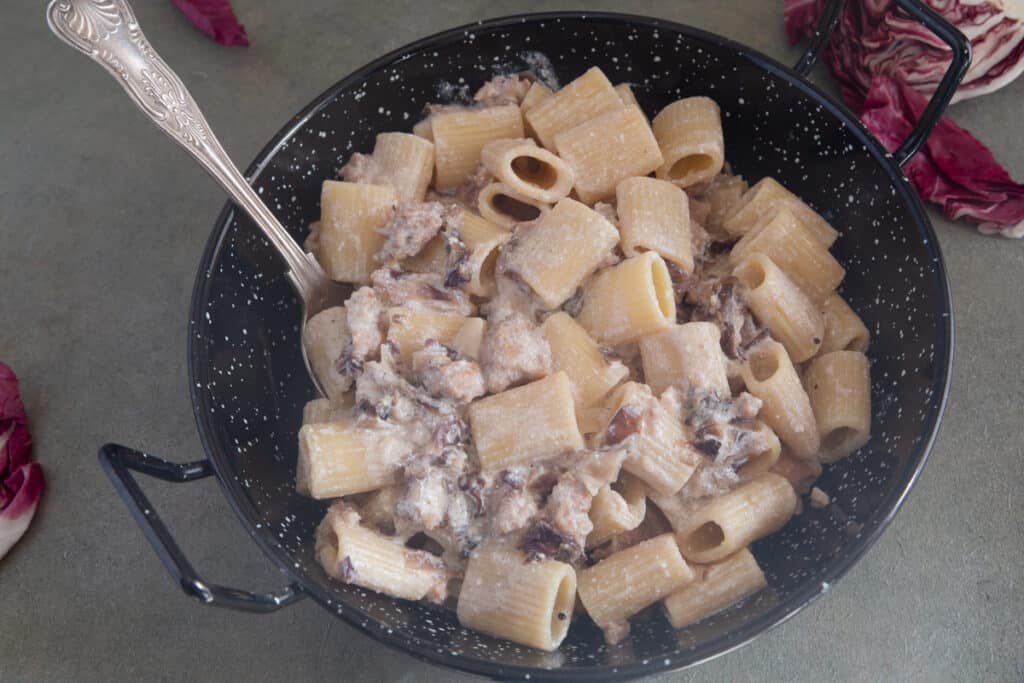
{"x":106,"y":31}
{"x":119,"y":462}
{"x":960,"y":49}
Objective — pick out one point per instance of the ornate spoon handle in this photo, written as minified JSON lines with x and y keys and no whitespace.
{"x":106,"y":31}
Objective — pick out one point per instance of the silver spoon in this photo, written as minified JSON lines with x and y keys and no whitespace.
{"x":106,"y":31}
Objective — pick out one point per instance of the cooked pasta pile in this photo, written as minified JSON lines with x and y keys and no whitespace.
{"x":582,"y":359}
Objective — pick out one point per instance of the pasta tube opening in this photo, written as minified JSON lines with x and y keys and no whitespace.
{"x":835,"y":439}
{"x":751,"y":274}
{"x":707,"y":536}
{"x":764,"y":363}
{"x":499,"y":204}
{"x":535,"y":171}
{"x":663,"y":288}
{"x":510,"y":206}
{"x":691,"y":164}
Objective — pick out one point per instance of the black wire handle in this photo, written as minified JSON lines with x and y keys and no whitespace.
{"x":118,"y":462}
{"x":958,"y":44}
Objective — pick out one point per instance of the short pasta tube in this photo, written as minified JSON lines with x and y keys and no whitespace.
{"x":617,"y":507}
{"x":325,"y":410}
{"x":469,"y":338}
{"x":659,"y":453}
{"x":531,"y":422}
{"x":624,"y":583}
{"x":588,"y":96}
{"x":839,"y":386}
{"x":765,"y":458}
{"x":732,"y":521}
{"x":502,"y":205}
{"x":607,"y":149}
{"x":590,"y":371}
{"x":791,"y":246}
{"x":770,"y":376}
{"x":351,"y":215}
{"x":565,"y":246}
{"x":339,"y":458}
{"x":326,"y":337}
{"x":433,"y":258}
{"x":529,"y":603}
{"x":844,"y":330}
{"x":406,"y":162}
{"x":760,"y":203}
{"x":781,"y":306}
{"x":410,"y":328}
{"x":528,"y":170}
{"x":483,"y":239}
{"x":352,"y":553}
{"x":537,"y":93}
{"x":687,"y":356}
{"x":626,"y":95}
{"x":725,"y":192}
{"x":800,"y":473}
{"x":654,"y":215}
{"x":460,"y":135}
{"x":423,"y":129}
{"x":628,"y":301}
{"x":689,"y":133}
{"x":717,"y":586}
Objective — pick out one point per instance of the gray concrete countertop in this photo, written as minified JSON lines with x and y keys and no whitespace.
{"x":101,"y":226}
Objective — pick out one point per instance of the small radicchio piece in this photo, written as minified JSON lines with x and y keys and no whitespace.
{"x":347,"y":570}
{"x":544,"y":542}
{"x":626,"y":422}
{"x":216,"y":19}
{"x":21,"y":481}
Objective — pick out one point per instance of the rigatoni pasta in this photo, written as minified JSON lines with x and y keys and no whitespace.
{"x":621,"y":585}
{"x":686,"y":356}
{"x":793,"y":248}
{"x":628,"y":301}
{"x":728,"y":523}
{"x":528,"y":170}
{"x":689,"y":133}
{"x":844,"y":330}
{"x":770,"y":376}
{"x":459,"y":136}
{"x":607,"y":149}
{"x":526,"y":602}
{"x":654,"y":215}
{"x":781,"y":306}
{"x":406,"y":162}
{"x":581,"y":100}
{"x":560,"y":370}
{"x":716,"y":587}
{"x":531,"y":422}
{"x":839,"y":387}
{"x":591,"y":372}
{"x":565,"y":246}
{"x":760,"y":203}
{"x":351,"y":215}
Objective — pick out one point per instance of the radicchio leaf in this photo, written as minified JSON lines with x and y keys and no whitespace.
{"x":888,"y":64}
{"x":216,"y":19}
{"x":21,"y":481}
{"x":872,"y":38}
{"x":952,"y":169}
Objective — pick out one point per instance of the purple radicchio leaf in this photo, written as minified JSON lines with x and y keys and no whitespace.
{"x":21,"y":481}
{"x":216,"y":19}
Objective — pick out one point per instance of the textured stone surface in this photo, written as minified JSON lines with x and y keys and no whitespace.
{"x":102,"y":223}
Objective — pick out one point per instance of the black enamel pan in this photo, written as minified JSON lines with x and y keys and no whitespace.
{"x":249,"y":383}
